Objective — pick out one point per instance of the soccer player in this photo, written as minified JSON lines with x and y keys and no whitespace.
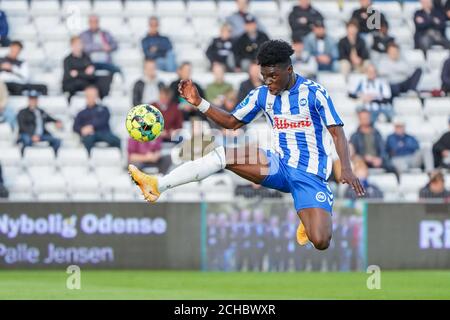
{"x":299,"y":112}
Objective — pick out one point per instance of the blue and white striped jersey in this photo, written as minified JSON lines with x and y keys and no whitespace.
{"x":299,"y":118}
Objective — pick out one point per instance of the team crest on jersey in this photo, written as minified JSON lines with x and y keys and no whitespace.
{"x":247,"y":98}
{"x":321,"y":197}
{"x":303,"y":102}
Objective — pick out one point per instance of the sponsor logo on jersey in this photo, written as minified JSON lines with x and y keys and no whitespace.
{"x":285,"y":124}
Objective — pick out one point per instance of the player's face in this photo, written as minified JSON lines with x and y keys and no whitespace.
{"x":276,"y":78}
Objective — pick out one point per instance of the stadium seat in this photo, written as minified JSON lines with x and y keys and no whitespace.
{"x":205,"y":28}
{"x":10,"y":156}
{"x":54,"y":104}
{"x":45,"y":8}
{"x":386,"y":182}
{"x":24,"y":32}
{"x":72,"y":157}
{"x":117,"y":184}
{"x":51,"y":184}
{"x":265,"y":8}
{"x":134,"y":8}
{"x":332,"y":81}
{"x":226,"y":8}
{"x":39,"y":156}
{"x":407,"y":106}
{"x":391,"y":9}
{"x":108,"y":8}
{"x":84,"y":188}
{"x":14,"y":7}
{"x":415,"y":58}
{"x":202,"y":9}
{"x":409,"y":8}
{"x":128,"y":56}
{"x":175,"y":8}
{"x":437,"y":107}
{"x":106,"y":157}
{"x":190,"y":192}
{"x":430,"y":81}
{"x":6,"y":136}
{"x":411,"y":183}
{"x":436,"y":58}
{"x":76,"y":7}
{"x":75,"y":171}
{"x":348,"y":8}
{"x":217,"y":188}
{"x":329,"y":9}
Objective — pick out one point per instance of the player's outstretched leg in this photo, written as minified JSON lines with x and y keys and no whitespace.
{"x":199,"y":169}
{"x":317,"y":226}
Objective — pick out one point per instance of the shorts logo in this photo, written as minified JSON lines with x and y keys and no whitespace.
{"x":321,"y":197}
{"x":303,"y":102}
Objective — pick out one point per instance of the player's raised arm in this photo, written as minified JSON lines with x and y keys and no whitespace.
{"x":188,"y":91}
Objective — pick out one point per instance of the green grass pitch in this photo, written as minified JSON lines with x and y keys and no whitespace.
{"x":215,"y":285}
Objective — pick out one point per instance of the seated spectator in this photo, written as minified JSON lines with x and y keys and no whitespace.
{"x":78,"y":69}
{"x":246,"y":46}
{"x":148,"y":155}
{"x":32,"y":121}
{"x":430,"y":27}
{"x":92,"y":123}
{"x":353,"y":53}
{"x":398,"y":72}
{"x":7,"y":114}
{"x":146,"y":89}
{"x":435,"y":188}
{"x":217,"y":90}
{"x":221,"y":49}
{"x":302,"y":18}
{"x":441,"y":150}
{"x":4,"y":29}
{"x":184,"y":73}
{"x":322,"y":47}
{"x":173,"y":117}
{"x":362,"y":173}
{"x":99,"y":44}
{"x":369,"y":145}
{"x":403,"y":149}
{"x":374,"y":94}
{"x":382,"y":39}
{"x":254,"y":80}
{"x":445,"y":76}
{"x":15,"y":73}
{"x":3,"y":191}
{"x":237,"y":20}
{"x":159,"y":48}
{"x":362,"y":15}
{"x":302,"y":61}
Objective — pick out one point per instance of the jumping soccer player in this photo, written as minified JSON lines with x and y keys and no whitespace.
{"x":299,"y":112}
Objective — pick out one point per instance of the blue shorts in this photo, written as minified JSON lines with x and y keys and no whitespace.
{"x":307,"y":189}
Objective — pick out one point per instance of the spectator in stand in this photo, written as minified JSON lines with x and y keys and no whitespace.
{"x":78,"y":69}
{"x":185,"y":72}
{"x":15,"y":73}
{"x":219,"y":88}
{"x":403,"y":149}
{"x":99,"y":44}
{"x":435,"y":188}
{"x":362,"y":15}
{"x":254,"y":80}
{"x":374,"y":94}
{"x":369,"y":145}
{"x":7,"y":114}
{"x":441,"y":150}
{"x":398,"y":72}
{"x":32,"y":121}
{"x":445,"y":76}
{"x":146,"y":89}
{"x":237,"y":19}
{"x":382,"y":39}
{"x":148,"y":155}
{"x":430,"y":27}
{"x":4,"y":29}
{"x":173,"y":117}
{"x":353,"y":53}
{"x":302,"y":18}
{"x":362,"y":172}
{"x":246,"y":46}
{"x":92,"y":123}
{"x":3,"y":191}
{"x":221,"y":49}
{"x":443,"y":6}
{"x":302,"y":61}
{"x":322,"y":47}
{"x":159,"y":48}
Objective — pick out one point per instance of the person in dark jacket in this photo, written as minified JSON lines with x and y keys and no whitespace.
{"x":4,"y":29}
{"x":362,"y":16}
{"x":92,"y":123}
{"x":445,"y":76}
{"x":221,"y":49}
{"x":253,"y":81}
{"x":369,"y":145}
{"x":246,"y":46}
{"x":78,"y":69}
{"x":353,"y":53}
{"x":302,"y":17}
{"x":4,"y":193}
{"x":435,"y":188}
{"x":146,"y":89}
{"x":382,"y":39}
{"x":159,"y":48}
{"x":430,"y":27}
{"x":441,"y":150}
{"x":32,"y":121}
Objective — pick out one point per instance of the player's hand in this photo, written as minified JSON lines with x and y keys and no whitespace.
{"x":188,"y":91}
{"x":347,"y":177}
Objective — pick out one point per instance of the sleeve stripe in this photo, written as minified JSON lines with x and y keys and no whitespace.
{"x":247,"y":108}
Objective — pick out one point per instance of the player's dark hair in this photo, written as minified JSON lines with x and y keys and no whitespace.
{"x":274,"y":52}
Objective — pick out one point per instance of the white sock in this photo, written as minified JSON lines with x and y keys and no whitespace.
{"x":194,"y":170}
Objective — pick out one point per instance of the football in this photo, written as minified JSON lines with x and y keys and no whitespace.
{"x":144,"y":122}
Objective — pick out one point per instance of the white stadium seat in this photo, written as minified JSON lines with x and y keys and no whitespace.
{"x":217,"y":188}
{"x":202,"y":9}
{"x":135,"y":8}
{"x":108,"y":7}
{"x":106,"y":157}
{"x":430,"y":81}
{"x":189,"y":192}
{"x":24,"y":32}
{"x":332,"y":81}
{"x":411,"y":183}
{"x":54,"y":104}
{"x":72,"y":157}
{"x":70,"y":172}
{"x":51,"y":184}
{"x":407,"y":106}
{"x":6,"y":136}
{"x":10,"y":156}
{"x":14,"y":7}
{"x":175,"y":8}
{"x":348,"y":8}
{"x":76,"y":7}
{"x":128,"y":56}
{"x":226,"y":8}
{"x":437,"y":107}
{"x":415,"y":57}
{"x":386,"y":182}
{"x":39,"y":156}
{"x":329,"y":9}
{"x":436,"y":58}
{"x":391,"y":10}
{"x":265,"y":8}
{"x":45,"y":8}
